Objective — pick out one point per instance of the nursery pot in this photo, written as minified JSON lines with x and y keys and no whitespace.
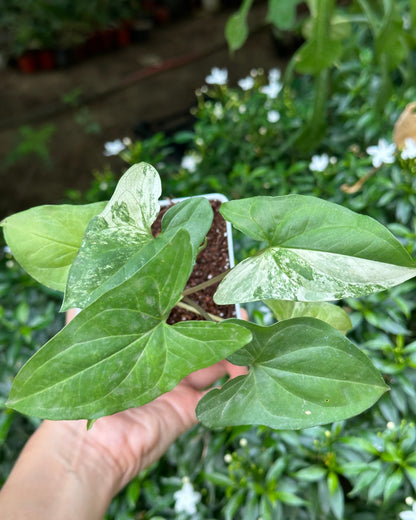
{"x":215,"y":258}
{"x":28,"y":62}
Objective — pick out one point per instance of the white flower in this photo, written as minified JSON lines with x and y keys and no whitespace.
{"x":7,"y":250}
{"x":246,"y":83}
{"x":126,"y":141}
{"x":409,"y":515}
{"x":218,"y":110}
{"x":186,"y":499}
{"x":274,"y":75}
{"x":383,"y":153}
{"x":319,"y":163}
{"x":409,"y":150}
{"x":190,"y":162}
{"x":243,"y":442}
{"x":113,"y":147}
{"x":228,"y":458}
{"x":272,"y":90}
{"x":390,"y":425}
{"x":242,"y":109}
{"x":217,"y":76}
{"x":273,"y":116}
{"x":103,"y":186}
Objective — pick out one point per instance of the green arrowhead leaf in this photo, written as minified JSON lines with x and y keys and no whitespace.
{"x":194,"y":214}
{"x":119,"y":352}
{"x":113,"y":236}
{"x":302,"y":373}
{"x":46,"y":239}
{"x":327,"y":312}
{"x":317,"y":251}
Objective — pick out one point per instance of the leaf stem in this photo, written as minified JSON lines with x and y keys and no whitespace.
{"x":195,"y":308}
{"x":204,"y":285}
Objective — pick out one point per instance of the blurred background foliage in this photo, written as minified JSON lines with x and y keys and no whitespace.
{"x":305,"y":130}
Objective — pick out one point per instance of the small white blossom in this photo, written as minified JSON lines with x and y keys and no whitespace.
{"x":189,"y":162}
{"x":217,"y":76}
{"x":246,"y":83}
{"x":9,"y":264}
{"x":242,"y":109}
{"x":408,"y":515}
{"x":409,"y":501}
{"x":383,"y":153}
{"x":113,"y":147}
{"x":103,"y":186}
{"x":319,"y":163}
{"x":407,"y":22}
{"x":273,"y":116}
{"x":409,"y":150}
{"x":390,"y":425}
{"x":272,"y":89}
{"x":243,"y":442}
{"x":186,"y":499}
{"x":126,"y":141}
{"x":274,"y":75}
{"x":7,"y":250}
{"x":262,"y":130}
{"x":218,"y":110}
{"x":228,"y":458}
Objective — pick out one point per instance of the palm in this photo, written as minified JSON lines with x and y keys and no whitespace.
{"x":133,"y":439}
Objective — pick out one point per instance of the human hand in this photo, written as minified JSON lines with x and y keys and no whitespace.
{"x":129,"y":441}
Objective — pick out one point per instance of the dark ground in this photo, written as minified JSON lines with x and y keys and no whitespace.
{"x":153,"y":82}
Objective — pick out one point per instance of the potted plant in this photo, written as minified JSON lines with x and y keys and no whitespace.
{"x":120,"y":351}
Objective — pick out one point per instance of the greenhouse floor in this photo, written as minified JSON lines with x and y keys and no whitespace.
{"x":149,"y":84}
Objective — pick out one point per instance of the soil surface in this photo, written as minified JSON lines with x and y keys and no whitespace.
{"x":211,"y":262}
{"x":109,"y":96}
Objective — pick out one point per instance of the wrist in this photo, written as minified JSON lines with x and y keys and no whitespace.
{"x":60,"y":475}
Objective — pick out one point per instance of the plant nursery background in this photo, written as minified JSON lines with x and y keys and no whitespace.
{"x":244,"y":98}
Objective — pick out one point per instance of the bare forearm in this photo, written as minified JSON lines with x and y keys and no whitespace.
{"x":57,"y":476}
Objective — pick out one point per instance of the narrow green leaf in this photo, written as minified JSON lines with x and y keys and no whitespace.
{"x":392,"y":484}
{"x":321,"y":50}
{"x":317,"y":251}
{"x":236,"y":31}
{"x":236,"y":28}
{"x":113,"y":236}
{"x":311,"y":473}
{"x":302,"y":373}
{"x":119,"y":352}
{"x":328,"y":312}
{"x":282,"y":14}
{"x":46,"y":239}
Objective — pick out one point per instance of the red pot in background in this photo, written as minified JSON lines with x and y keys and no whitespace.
{"x":46,"y":59}
{"x":108,"y":39}
{"x":28,"y":62}
{"x":123,"y":36}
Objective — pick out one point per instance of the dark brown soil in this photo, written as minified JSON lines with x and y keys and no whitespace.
{"x":211,"y":261}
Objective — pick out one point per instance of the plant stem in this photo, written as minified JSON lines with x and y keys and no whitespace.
{"x":204,"y":285}
{"x":195,"y":308}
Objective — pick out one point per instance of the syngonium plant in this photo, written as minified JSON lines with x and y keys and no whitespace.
{"x":120,"y":352}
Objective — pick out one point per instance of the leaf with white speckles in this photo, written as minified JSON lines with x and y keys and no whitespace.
{"x":116,"y":234}
{"x":332,"y":314}
{"x":119,"y":352}
{"x":302,"y":373}
{"x":316,"y":251}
